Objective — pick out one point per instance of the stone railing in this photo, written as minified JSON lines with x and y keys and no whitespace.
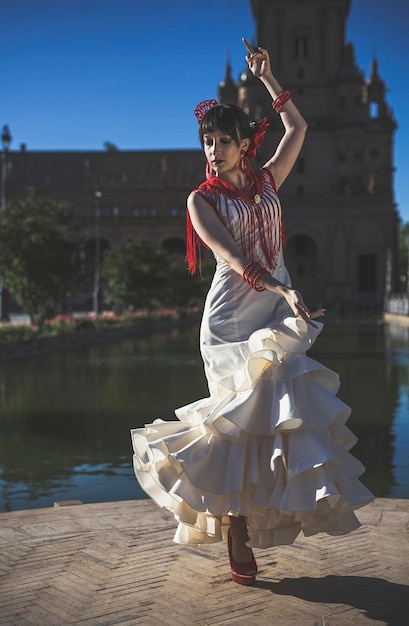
{"x":397,"y":304}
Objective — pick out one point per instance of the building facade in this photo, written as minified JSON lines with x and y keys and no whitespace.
{"x":338,"y":203}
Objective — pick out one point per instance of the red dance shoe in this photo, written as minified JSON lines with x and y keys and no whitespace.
{"x":241,"y":573}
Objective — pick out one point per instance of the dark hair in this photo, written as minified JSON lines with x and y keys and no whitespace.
{"x":229,"y":119}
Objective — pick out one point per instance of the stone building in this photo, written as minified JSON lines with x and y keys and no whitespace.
{"x":338,"y":203}
{"x":339,"y":210}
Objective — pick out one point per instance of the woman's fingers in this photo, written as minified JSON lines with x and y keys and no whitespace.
{"x":303,"y":311}
{"x":252,"y":54}
{"x":300,"y":309}
{"x":248,"y":46}
{"x":318,"y":313}
{"x":305,"y":315}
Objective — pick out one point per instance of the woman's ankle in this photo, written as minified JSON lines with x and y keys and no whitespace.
{"x":238,"y":529}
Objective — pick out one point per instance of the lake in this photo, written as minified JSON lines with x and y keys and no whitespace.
{"x":65,"y":418}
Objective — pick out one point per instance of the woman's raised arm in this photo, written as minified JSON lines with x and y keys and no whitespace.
{"x":295,"y":126}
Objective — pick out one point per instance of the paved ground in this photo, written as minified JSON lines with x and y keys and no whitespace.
{"x":115,"y":563}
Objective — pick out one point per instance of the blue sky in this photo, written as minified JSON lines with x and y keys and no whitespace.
{"x":77,"y":73}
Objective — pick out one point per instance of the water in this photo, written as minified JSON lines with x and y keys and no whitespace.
{"x":65,"y":418}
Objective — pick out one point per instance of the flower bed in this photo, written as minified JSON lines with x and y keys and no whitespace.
{"x":71,"y":330}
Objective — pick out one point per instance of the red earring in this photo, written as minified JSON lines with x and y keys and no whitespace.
{"x":244,"y":163}
{"x":209,"y":171}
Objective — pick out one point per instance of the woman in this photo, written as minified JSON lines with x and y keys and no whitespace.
{"x":265,"y":455}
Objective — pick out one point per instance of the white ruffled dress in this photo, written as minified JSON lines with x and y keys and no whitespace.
{"x":270,"y":442}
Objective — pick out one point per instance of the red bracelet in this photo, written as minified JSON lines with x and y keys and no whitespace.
{"x":281,"y":101}
{"x":252,"y":273}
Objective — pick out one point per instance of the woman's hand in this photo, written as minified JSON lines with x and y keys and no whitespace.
{"x":300,"y":309}
{"x":257,"y":60}
{"x":293,"y":298}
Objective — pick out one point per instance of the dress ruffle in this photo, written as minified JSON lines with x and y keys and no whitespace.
{"x":270,"y":443}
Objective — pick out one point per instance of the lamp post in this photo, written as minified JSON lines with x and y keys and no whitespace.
{"x":5,"y":144}
{"x":97,"y":261}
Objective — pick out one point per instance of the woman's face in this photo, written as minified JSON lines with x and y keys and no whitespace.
{"x":222,"y":152}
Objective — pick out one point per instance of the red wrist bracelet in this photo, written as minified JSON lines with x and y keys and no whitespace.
{"x":252,"y":273}
{"x":281,"y":101}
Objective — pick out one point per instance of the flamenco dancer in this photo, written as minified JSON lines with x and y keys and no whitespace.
{"x":265,"y":456}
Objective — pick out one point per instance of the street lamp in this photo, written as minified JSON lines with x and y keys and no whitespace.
{"x":97,"y":261}
{"x":5,"y":144}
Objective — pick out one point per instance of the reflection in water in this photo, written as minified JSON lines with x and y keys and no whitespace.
{"x":370,"y":387}
{"x":397,"y":346}
{"x":65,"y":418}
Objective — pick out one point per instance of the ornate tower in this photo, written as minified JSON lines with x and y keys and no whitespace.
{"x":227,"y":91}
{"x":338,"y":202}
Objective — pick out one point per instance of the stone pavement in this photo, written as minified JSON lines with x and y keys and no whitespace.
{"x":115,"y":563}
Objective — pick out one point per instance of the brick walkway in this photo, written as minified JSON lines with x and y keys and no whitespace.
{"x":115,"y":563}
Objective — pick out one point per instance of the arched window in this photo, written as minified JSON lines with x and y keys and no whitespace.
{"x":301,"y":256}
{"x":300,"y":47}
{"x":373,"y":110}
{"x":367,"y":273}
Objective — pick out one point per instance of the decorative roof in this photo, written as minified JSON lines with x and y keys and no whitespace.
{"x":349,"y":71}
{"x":228,"y":80}
{"x":374,"y":78}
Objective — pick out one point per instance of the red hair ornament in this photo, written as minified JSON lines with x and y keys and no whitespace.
{"x":203,"y":107}
{"x":258,"y":137}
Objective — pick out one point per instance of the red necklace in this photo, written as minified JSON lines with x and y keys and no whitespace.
{"x":220,"y":185}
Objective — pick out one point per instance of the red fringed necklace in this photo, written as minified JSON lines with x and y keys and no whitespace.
{"x":259,"y":212}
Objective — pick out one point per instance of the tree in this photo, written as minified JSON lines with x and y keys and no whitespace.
{"x":39,"y":254}
{"x":140,"y":276}
{"x":110,"y":147}
{"x":184,"y":289}
{"x":135,"y":274}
